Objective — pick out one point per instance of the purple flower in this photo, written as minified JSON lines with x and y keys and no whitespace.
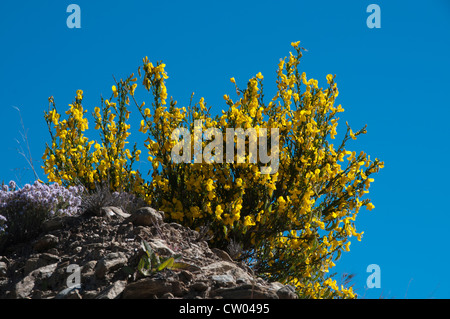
{"x":12,"y":185}
{"x":39,"y":199}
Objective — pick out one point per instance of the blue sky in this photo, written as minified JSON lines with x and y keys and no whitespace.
{"x":395,"y":79}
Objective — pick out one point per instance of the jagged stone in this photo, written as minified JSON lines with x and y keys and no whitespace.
{"x":111,"y":211}
{"x":147,"y":288}
{"x":223,"y":280}
{"x":199,"y":286}
{"x":113,"y":290}
{"x":45,"y":243}
{"x":245,"y":292}
{"x":24,"y":288}
{"x":109,"y":263}
{"x":107,"y":249}
{"x":287,"y":292}
{"x":146,"y":216}
{"x":40,"y":260}
{"x":3,"y":269}
{"x":68,"y":293}
{"x":54,"y":223}
{"x":222,"y":254}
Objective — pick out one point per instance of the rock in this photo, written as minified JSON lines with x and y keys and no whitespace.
{"x":68,"y":293}
{"x":223,"y":280}
{"x":109,"y":263}
{"x":40,"y":260}
{"x":88,"y":268}
{"x":245,"y":292}
{"x":219,"y":267}
{"x":54,"y":223}
{"x":199,"y":286}
{"x":113,"y":291}
{"x":107,"y":250}
{"x":146,"y":216}
{"x":45,"y":243}
{"x":167,"y":296}
{"x":74,"y":294}
{"x":111,"y":211}
{"x":287,"y":292}
{"x":89,"y":294}
{"x":186,"y":276}
{"x":222,"y":254}
{"x":160,"y":247}
{"x":3,"y":269}
{"x":147,"y":288}
{"x":275,"y":286}
{"x":35,"y":280}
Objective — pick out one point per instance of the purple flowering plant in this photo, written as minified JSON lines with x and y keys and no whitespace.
{"x":22,"y":210}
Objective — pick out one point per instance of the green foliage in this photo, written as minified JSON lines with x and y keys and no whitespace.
{"x":150,"y":262}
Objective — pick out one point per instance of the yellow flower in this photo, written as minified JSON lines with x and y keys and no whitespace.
{"x":114,"y":89}
{"x":329,"y":78}
{"x":347,"y":246}
{"x":219,"y":212}
{"x":209,"y":185}
{"x":248,"y":221}
{"x":233,"y":80}
{"x":259,"y":76}
{"x":370,"y":206}
{"x":295,"y":44}
{"x":133,"y":87}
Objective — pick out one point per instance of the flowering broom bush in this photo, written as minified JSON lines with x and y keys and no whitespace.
{"x":22,"y":211}
{"x":291,"y":222}
{"x":72,"y":159}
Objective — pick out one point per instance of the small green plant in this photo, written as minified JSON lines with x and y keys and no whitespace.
{"x":150,"y":262}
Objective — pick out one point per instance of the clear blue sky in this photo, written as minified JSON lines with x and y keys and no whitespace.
{"x":395,"y":79}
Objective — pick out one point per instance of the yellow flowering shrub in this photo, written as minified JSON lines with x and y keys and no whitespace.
{"x":292,"y":224}
{"x":73,"y":159}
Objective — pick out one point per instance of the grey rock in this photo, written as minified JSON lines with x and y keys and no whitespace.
{"x":40,"y":260}
{"x":287,"y":292}
{"x":45,"y":243}
{"x":110,"y":262}
{"x":89,"y":294}
{"x":147,"y":288}
{"x":223,"y":280}
{"x":68,"y":293}
{"x":218,"y":267}
{"x":54,"y":223}
{"x":167,"y":295}
{"x":199,"y":286}
{"x":222,"y":254}
{"x":24,"y":288}
{"x":146,"y":216}
{"x":74,"y":294}
{"x":113,"y":291}
{"x":88,"y":268}
{"x":3,"y":269}
{"x":242,"y":280}
{"x":245,"y":292}
{"x":160,"y":247}
{"x":186,"y":276}
{"x":108,"y":248}
{"x":113,"y":211}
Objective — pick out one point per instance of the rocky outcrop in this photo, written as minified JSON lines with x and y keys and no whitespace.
{"x":86,"y":257}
